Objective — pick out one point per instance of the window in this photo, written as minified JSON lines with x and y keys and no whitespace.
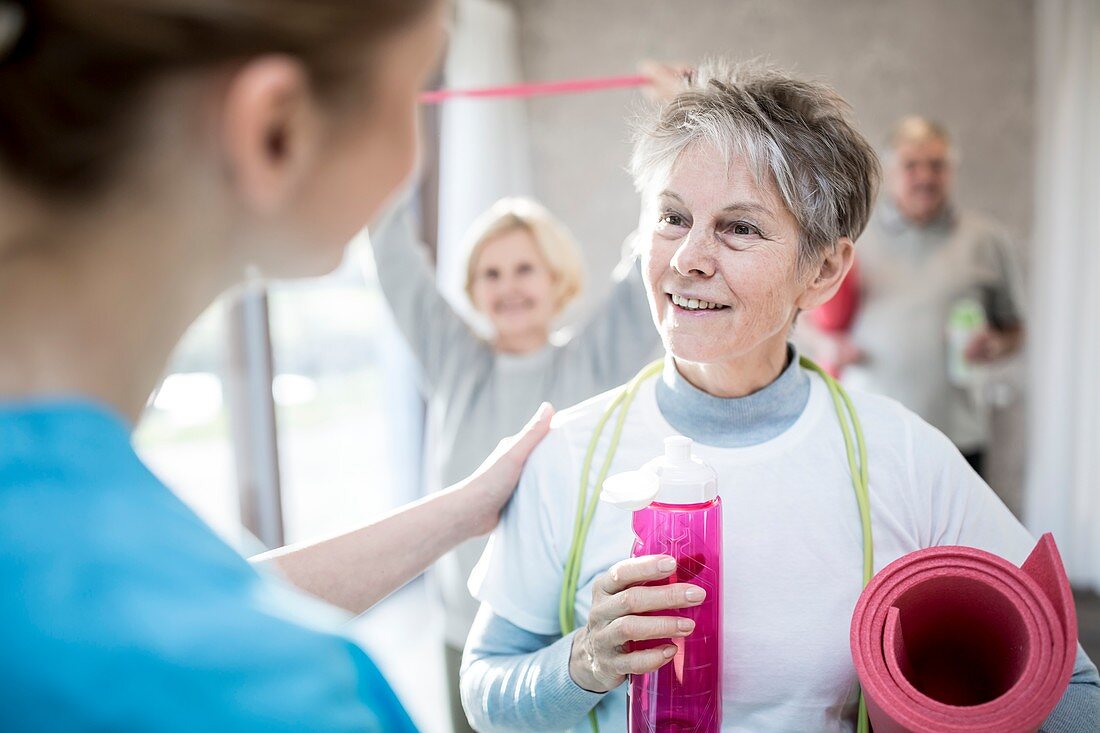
{"x":184,"y":434}
{"x":347,"y":410}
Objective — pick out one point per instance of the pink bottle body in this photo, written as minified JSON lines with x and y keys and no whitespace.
{"x":685,"y":695}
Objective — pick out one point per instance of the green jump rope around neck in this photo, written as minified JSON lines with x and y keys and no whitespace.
{"x":618,"y":408}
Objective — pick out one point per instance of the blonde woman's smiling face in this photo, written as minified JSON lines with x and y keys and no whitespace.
{"x":514,"y":287}
{"x":722,"y":261}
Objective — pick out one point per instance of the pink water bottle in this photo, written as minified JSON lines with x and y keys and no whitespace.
{"x":677,"y":512}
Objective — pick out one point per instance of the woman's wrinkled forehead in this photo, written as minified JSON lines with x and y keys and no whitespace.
{"x":708,"y":177}
{"x":732,"y":144}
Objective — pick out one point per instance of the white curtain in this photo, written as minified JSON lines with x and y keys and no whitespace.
{"x":484,"y":149}
{"x":1063,"y":483}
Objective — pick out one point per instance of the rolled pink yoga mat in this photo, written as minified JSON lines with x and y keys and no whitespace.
{"x":958,"y":640}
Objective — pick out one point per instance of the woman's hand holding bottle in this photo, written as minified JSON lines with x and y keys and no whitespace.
{"x":601,"y":657}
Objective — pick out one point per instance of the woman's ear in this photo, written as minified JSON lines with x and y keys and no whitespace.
{"x":271,"y":131}
{"x":828,"y":276}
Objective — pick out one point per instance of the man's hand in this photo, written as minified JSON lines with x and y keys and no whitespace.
{"x":988,"y":345}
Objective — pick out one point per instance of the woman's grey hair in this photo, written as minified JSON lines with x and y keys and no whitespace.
{"x":797,"y":134}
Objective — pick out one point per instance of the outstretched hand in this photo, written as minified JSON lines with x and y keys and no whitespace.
{"x":665,"y":80}
{"x":491,"y":486}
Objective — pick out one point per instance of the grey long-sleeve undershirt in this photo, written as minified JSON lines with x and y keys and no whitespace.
{"x":516,"y":680}
{"x":513,"y":679}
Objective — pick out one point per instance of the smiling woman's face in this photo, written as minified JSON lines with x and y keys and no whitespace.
{"x":513,"y":285}
{"x":722,"y":262}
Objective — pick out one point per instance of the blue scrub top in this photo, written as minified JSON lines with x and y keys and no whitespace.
{"x":121,"y":610}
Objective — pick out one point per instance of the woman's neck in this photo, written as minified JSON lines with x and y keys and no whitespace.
{"x":527,"y":342}
{"x":737,"y":377}
{"x":734,"y":422}
{"x":94,"y":303}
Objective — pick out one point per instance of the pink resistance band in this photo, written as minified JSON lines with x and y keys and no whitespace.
{"x":570,"y":86}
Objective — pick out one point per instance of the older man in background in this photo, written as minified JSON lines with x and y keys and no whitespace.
{"x":939,"y":295}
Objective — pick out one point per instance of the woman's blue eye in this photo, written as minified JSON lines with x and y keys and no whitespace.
{"x":672,"y":219}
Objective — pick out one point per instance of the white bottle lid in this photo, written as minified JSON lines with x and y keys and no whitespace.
{"x":677,"y":477}
{"x":631,"y":490}
{"x":684,"y":478}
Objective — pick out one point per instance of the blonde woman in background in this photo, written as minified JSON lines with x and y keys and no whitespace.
{"x":523,"y":268}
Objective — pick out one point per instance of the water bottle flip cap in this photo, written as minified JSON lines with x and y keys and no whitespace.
{"x":684,"y":478}
{"x":677,"y":477}
{"x":631,"y":490}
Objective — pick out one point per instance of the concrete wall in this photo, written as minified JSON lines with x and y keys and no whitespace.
{"x":969,"y":64}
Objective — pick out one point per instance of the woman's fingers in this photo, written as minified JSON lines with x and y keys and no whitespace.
{"x":598,"y":665}
{"x":617,"y":592}
{"x":641,"y":662}
{"x":636,"y":570}
{"x":519,"y":446}
{"x":511,"y":453}
{"x":541,"y":419}
{"x":617,"y":599}
{"x":645,"y":628}
{"x":643,"y":598}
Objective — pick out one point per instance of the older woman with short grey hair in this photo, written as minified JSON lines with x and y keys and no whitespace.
{"x":755,"y":185}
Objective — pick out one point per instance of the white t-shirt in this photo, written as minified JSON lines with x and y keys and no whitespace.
{"x":792,"y":554}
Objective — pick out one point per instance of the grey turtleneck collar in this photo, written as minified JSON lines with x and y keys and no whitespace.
{"x":735,"y":422}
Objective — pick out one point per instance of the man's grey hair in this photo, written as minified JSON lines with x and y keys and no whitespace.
{"x":917,"y":129}
{"x":794,"y":133}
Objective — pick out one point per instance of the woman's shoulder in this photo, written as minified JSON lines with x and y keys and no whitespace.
{"x":884,"y":414}
{"x":891,"y":428}
{"x":75,"y":497}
